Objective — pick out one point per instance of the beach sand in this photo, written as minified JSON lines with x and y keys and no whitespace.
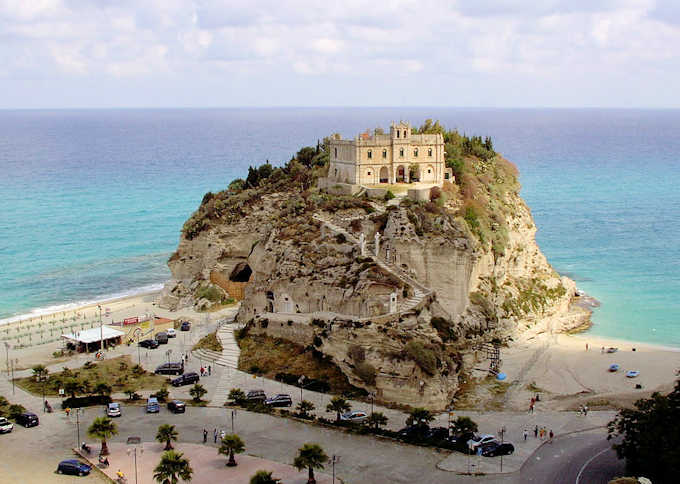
{"x":567,"y":375}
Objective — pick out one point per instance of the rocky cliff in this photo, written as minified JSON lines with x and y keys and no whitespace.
{"x":397,"y":313}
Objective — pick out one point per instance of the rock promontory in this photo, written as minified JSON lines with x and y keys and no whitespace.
{"x":398,"y":291}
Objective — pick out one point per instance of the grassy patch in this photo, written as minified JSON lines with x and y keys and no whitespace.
{"x":268,"y":356}
{"x":209,"y":342}
{"x":424,"y":356}
{"x":119,"y":373}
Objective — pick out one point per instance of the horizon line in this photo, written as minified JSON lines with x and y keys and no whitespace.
{"x":424,"y":106}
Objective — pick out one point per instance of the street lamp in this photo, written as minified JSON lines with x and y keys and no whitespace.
{"x":135,"y":441}
{"x":101,"y":329}
{"x":335,"y":460}
{"x":7,"y":353}
{"x":79,"y":411}
{"x":372,"y":395}
{"x":301,"y":381}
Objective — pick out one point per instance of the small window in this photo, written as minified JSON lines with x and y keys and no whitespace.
{"x":415,"y":152}
{"x":401,"y":152}
{"x":397,"y":133}
{"x":405,"y":133}
{"x":429,"y":152}
{"x":369,"y":173}
{"x":384,"y":153}
{"x":429,"y":171}
{"x":336,"y":152}
{"x":370,"y":154}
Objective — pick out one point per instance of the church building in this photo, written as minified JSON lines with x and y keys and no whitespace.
{"x":397,"y":157}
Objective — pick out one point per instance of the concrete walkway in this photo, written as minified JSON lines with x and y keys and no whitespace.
{"x":208,"y":466}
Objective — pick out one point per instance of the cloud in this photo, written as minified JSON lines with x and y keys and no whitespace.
{"x":484,"y":45}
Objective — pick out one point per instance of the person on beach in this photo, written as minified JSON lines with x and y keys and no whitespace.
{"x":585,"y":410}
{"x":586,"y":346}
{"x":205,"y":436}
{"x":68,"y":411}
{"x":531,"y":408}
{"x":525,"y":435}
{"x":602,"y":351}
{"x":551,"y":435}
{"x":536,"y":432}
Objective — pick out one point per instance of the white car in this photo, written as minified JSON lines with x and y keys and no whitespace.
{"x":113,"y":409}
{"x":355,"y":416}
{"x":484,"y":439}
{"x":171,"y":333}
{"x":5,"y":426}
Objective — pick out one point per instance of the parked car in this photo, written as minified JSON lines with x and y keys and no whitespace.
{"x":171,"y":333}
{"x":170,"y":368}
{"x":152,"y":405}
{"x":256,"y":396}
{"x":354,"y":416}
{"x":113,"y":409}
{"x":413,"y":432}
{"x":185,"y":326}
{"x":614,"y":368}
{"x":176,"y":406}
{"x":73,"y":467}
{"x":280,"y":400}
{"x":494,"y":448}
{"x":5,"y":426}
{"x":186,"y":379}
{"x":28,"y":419}
{"x":149,"y":343}
{"x":481,"y":440}
{"x":162,"y":338}
{"x":437,"y":434}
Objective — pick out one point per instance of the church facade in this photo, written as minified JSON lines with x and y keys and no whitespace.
{"x":397,"y":157}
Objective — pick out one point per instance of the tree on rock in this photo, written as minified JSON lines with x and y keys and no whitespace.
{"x":231,"y":444}
{"x":172,"y":467}
{"x":102,"y":428}
{"x":310,"y":457}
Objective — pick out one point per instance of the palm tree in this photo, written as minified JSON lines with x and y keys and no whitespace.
{"x":167,"y":433}
{"x":376,"y":419}
{"x":102,"y":428}
{"x":197,"y":391}
{"x":264,"y":477}
{"x":40,"y":372}
{"x":231,"y":444}
{"x":304,"y":408}
{"x":310,"y":456}
{"x":419,"y":416}
{"x":338,"y":405}
{"x":172,"y":467}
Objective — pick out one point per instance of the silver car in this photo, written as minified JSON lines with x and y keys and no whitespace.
{"x":113,"y":409}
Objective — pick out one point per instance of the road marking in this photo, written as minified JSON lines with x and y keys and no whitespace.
{"x":587,"y":463}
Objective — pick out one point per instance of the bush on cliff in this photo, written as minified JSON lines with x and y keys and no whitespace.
{"x":424,"y":357}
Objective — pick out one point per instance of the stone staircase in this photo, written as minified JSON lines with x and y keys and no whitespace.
{"x":418,"y":290}
{"x":228,"y":358}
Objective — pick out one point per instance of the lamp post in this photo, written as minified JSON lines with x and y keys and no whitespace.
{"x":372,"y":395}
{"x":233,"y":414}
{"x":135,"y":441}
{"x":502,"y":432}
{"x":301,"y":381}
{"x":79,"y":410}
{"x":12,"y":364}
{"x":101,"y":329}
{"x":335,"y":460}
{"x":7,"y":354}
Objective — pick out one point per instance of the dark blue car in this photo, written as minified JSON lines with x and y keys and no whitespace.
{"x":73,"y":467}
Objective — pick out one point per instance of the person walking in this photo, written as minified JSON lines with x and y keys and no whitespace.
{"x":531,"y":408}
{"x":205,"y":436}
{"x":525,"y":435}
{"x":551,"y":435}
{"x":585,"y":410}
{"x":222,"y":434}
{"x":586,"y":346}
{"x":209,"y":370}
{"x":215,"y":435}
{"x":536,"y":432}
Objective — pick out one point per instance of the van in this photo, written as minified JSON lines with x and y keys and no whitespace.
{"x":170,"y":369}
{"x":152,"y":405}
{"x":162,"y":338}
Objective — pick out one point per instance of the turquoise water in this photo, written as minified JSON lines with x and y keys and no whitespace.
{"x":93,"y":200}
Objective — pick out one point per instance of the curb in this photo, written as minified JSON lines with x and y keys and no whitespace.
{"x":93,"y":465}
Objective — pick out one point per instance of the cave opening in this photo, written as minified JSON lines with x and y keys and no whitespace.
{"x":241,"y":273}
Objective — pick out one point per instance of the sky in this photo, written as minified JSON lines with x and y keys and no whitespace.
{"x":221,"y":53}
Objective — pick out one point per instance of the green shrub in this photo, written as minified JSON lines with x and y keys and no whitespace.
{"x":422,"y":355}
{"x":366,"y":372}
{"x":210,"y":292}
{"x":388,"y":195}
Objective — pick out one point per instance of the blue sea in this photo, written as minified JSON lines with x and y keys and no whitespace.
{"x":92,"y":201}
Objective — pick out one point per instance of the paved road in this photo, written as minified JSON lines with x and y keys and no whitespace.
{"x":583,"y":458}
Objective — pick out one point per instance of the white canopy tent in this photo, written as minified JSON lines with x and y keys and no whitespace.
{"x":83,"y":339}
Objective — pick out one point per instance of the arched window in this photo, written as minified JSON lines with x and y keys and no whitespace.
{"x":370,"y":154}
{"x":397,"y":133}
{"x":336,"y":152}
{"x":405,"y":131}
{"x":429,"y":152}
{"x":415,"y":153}
{"x":401,"y":152}
{"x":384,"y":153}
